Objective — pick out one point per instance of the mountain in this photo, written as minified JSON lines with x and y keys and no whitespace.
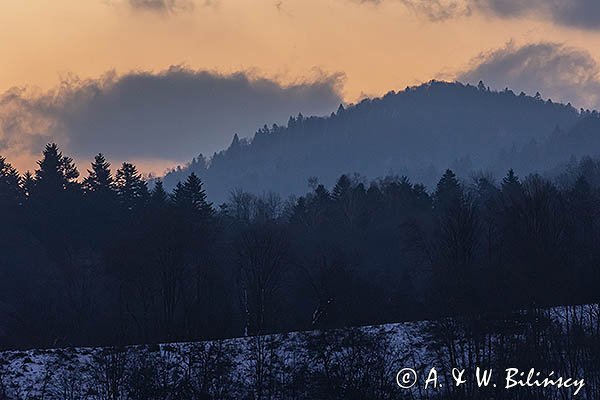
{"x":417,"y":132}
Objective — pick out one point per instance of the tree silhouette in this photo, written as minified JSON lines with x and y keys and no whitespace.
{"x":54,"y":206}
{"x":132,"y":190}
{"x":342,"y":188}
{"x":159,"y":267}
{"x":191,"y":197}
{"x":99,"y":179}
{"x":511,"y":187}
{"x":11,"y":194}
{"x":55,"y":175}
{"x":448,"y":192}
{"x":28,"y":183}
{"x":159,"y":197}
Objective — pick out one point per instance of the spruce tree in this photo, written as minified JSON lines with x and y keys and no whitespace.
{"x":10,"y":190}
{"x":512,"y":189}
{"x":54,"y":204}
{"x":342,"y":188}
{"x":322,"y":198}
{"x":158,"y":196}
{"x":448,"y":192}
{"x":190,"y":196}
{"x":99,"y":179}
{"x":28,"y":184}
{"x":55,"y":175}
{"x":132,"y":190}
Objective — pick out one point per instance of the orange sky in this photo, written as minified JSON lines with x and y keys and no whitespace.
{"x":378,"y":48}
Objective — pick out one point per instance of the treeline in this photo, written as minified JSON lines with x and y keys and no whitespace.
{"x":417,"y":132}
{"x":343,"y":364}
{"x":105,"y":260}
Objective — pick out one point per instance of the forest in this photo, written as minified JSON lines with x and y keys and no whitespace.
{"x":300,"y":200}
{"x":418,"y":132}
{"x":108,"y":258}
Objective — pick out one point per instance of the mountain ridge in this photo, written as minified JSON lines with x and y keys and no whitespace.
{"x":417,"y":132}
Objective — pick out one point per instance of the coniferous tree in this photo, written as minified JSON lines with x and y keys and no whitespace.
{"x":99,"y":179}
{"x":101,"y":199}
{"x":178,"y":195}
{"x":55,"y":175}
{"x":10,"y":190}
{"x":342,"y":188}
{"x":455,"y":242}
{"x":235,"y":145}
{"x":132,"y":189}
{"x":512,"y":187}
{"x":54,"y":205}
{"x":28,"y":184}
{"x":190,"y":196}
{"x":159,"y":198}
{"x":319,"y":207}
{"x":53,"y":195}
{"x":448,"y":192}
{"x":375,"y":199}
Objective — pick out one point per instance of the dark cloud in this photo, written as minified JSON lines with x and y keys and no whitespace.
{"x":583,"y":14}
{"x":557,"y":71}
{"x":434,"y":10}
{"x":577,"y":13}
{"x":172,"y":115}
{"x":155,"y":5}
{"x":164,"y":6}
{"x":438,"y":10}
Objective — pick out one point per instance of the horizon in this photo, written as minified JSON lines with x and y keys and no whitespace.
{"x":149,"y":168}
{"x":372,"y":199}
{"x":75,"y":63}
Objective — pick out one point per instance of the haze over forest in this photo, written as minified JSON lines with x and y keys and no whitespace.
{"x":417,"y":132}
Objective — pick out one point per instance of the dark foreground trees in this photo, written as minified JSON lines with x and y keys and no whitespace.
{"x":114,"y":259}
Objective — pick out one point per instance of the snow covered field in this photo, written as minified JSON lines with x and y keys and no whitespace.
{"x":239,"y":364}
{"x":361,"y":362}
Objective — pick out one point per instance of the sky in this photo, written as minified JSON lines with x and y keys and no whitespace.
{"x":157,"y":82}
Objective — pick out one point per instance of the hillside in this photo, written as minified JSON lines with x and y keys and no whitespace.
{"x":352,"y":363}
{"x":417,"y":132}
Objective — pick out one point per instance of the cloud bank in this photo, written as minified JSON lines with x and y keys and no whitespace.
{"x":583,"y":14}
{"x":171,"y":115}
{"x":434,"y":10}
{"x":559,"y":72}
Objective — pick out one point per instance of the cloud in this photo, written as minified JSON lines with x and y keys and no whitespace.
{"x":162,"y":6}
{"x":576,"y":13}
{"x":559,"y":72}
{"x":584,"y":14}
{"x":438,"y":10}
{"x":433,"y":10}
{"x":170,"y":115}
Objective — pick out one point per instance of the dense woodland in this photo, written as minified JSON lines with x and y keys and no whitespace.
{"x":103,"y":259}
{"x":418,"y":132}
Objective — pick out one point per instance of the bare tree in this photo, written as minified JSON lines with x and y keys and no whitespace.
{"x":262,"y":252}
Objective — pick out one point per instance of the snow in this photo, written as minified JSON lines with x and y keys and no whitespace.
{"x":89,"y":372}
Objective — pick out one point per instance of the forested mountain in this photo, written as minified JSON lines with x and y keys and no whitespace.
{"x":105,"y":257}
{"x":418,"y":132}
